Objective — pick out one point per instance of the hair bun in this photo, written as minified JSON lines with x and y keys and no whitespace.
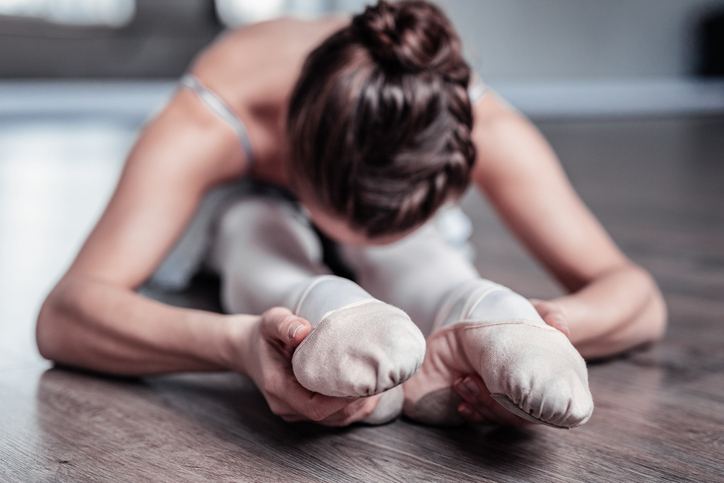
{"x":412,"y":36}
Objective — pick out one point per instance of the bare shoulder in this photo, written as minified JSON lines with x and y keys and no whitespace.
{"x":254,"y":70}
{"x":493,"y":117}
{"x":267,"y":54}
{"x":504,"y":139}
{"x":289,"y":34}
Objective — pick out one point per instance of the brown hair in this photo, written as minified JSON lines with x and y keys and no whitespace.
{"x":379,"y":121}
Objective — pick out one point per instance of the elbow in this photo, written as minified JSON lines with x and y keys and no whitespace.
{"x":658,"y":316}
{"x":49,"y":328}
{"x":44,"y":329}
{"x":654,"y":315}
{"x":644,"y":323}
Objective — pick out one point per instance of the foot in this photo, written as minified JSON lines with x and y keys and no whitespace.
{"x":388,"y":407}
{"x":364,"y":348}
{"x":530,"y":369}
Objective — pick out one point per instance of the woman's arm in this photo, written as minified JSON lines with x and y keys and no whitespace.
{"x":93,"y":318}
{"x":614,"y":305}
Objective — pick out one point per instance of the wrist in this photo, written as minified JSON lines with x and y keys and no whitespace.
{"x":237,"y":339}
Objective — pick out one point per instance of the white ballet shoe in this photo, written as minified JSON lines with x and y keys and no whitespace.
{"x":530,"y":368}
{"x":363,"y":348}
{"x":388,"y":407}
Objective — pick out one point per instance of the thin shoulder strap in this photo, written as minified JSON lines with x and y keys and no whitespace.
{"x":222,"y":110}
{"x":477,"y":89}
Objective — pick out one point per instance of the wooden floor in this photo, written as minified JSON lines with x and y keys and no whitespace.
{"x":657,"y":185}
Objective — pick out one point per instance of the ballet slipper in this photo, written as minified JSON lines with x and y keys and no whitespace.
{"x":364,"y":347}
{"x":531,"y":369}
{"x":388,"y":407}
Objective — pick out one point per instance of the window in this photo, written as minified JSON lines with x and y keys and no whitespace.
{"x":111,"y":13}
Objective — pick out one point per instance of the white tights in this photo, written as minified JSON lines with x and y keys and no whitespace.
{"x":474,"y":325}
{"x":268,"y":255}
{"x":361,"y":344}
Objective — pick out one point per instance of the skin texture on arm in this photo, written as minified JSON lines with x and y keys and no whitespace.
{"x":613,"y":304}
{"x":93,"y":318}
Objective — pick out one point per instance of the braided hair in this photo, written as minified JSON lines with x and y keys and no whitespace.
{"x":380,"y":122}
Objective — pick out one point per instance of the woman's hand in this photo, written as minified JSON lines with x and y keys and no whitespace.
{"x":552,"y":314}
{"x":479,"y":407}
{"x":267,"y":360}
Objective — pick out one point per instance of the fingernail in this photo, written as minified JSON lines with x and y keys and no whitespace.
{"x":465,"y":410}
{"x":471,"y":386}
{"x":462,"y":387}
{"x":293,"y":329}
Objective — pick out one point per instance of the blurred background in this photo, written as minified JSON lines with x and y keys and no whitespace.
{"x":79,"y":77}
{"x":549,"y":58}
{"x":508,"y":40}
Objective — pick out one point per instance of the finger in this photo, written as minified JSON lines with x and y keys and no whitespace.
{"x":294,"y":328}
{"x":479,"y":407}
{"x":557,"y":319}
{"x":282,"y":409}
{"x":468,"y":412}
{"x":474,"y":392}
{"x":552,"y":315}
{"x":559,"y":324}
{"x":312,"y":405}
{"x":281,"y":324}
{"x":468,"y":388}
{"x":354,"y":412}
{"x":544,"y":308}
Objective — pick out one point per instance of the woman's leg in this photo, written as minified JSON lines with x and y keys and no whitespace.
{"x":264,"y":251}
{"x":478,"y":327}
{"x":268,"y":255}
{"x":414,"y":274}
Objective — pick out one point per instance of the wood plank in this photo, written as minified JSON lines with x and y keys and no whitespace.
{"x":657,"y":186}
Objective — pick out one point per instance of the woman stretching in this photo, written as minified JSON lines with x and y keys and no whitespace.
{"x":367,"y":129}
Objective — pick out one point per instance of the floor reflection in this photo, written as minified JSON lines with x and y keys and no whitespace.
{"x":55,"y":178}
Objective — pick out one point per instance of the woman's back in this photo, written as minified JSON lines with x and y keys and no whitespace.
{"x":254,"y":69}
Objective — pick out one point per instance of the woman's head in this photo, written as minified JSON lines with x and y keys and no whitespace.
{"x":379,"y":121}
